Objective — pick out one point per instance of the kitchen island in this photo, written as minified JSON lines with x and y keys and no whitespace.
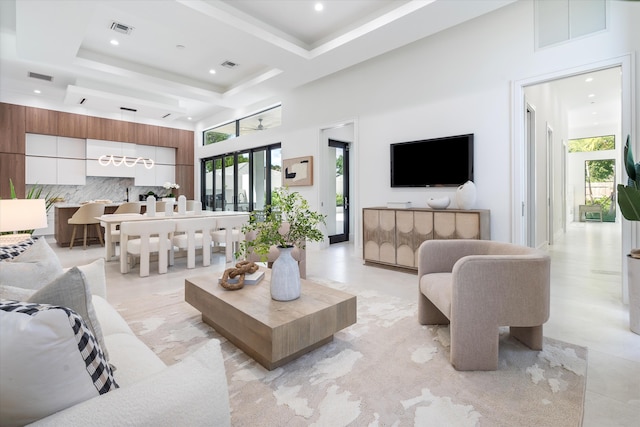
{"x":63,"y":230}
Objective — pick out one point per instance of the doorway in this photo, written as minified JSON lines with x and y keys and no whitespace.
{"x":564,"y":120}
{"x":338,"y":224}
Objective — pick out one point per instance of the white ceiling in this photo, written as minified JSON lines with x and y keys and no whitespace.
{"x":277,"y":44}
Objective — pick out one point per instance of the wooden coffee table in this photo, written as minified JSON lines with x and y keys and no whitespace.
{"x":272,"y":332}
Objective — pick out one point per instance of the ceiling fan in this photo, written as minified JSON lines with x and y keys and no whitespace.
{"x":259,"y":127}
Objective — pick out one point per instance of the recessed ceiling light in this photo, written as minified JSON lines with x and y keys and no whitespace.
{"x":318,"y":7}
{"x":36,"y":91}
{"x":114,"y":42}
{"x":594,"y":113}
{"x":212,"y":71}
{"x":189,"y":118}
{"x":592,"y":95}
{"x":589,"y":79}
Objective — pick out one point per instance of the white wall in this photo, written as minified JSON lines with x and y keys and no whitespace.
{"x":455,"y":82}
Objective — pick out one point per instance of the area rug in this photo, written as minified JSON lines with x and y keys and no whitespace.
{"x":386,"y":370}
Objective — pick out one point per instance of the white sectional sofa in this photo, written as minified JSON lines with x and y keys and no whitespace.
{"x":192,"y":392}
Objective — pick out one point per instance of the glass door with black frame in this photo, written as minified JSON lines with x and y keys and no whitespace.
{"x":338,"y":219}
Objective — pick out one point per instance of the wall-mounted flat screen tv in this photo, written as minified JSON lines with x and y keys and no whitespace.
{"x":437,"y":162}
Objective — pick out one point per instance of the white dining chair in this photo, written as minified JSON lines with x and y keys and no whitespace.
{"x":151,"y":236}
{"x":125,"y":208}
{"x":192,"y":234}
{"x":232,"y":233}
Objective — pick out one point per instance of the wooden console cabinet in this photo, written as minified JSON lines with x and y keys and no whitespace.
{"x":392,"y":236}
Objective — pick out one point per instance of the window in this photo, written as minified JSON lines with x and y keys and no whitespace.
{"x":265,"y":119}
{"x":558,"y":21}
{"x":241,"y":181}
{"x":220,"y":133}
{"x":597,"y":143}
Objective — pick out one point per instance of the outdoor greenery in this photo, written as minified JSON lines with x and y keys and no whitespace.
{"x":597,"y":143}
{"x":288,"y":207}
{"x":213,"y":137}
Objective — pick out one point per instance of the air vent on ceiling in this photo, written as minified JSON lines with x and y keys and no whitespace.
{"x":229,"y":64}
{"x":40,"y":76}
{"x":121,"y":28}
{"x":128,"y":109}
{"x":83,"y":101}
{"x":166,"y":115}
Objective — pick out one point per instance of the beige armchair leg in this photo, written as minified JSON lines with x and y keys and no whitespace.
{"x":529,"y":336}
{"x":474,"y":347}
{"x":429,"y":314}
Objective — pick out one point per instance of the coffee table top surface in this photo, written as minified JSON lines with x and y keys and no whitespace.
{"x":256,"y":299}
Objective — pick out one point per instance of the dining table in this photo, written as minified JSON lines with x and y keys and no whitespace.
{"x":224,"y":220}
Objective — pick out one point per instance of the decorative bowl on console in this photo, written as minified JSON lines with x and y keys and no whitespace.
{"x":439,"y":203}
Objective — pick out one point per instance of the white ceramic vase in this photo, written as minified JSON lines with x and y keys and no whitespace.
{"x":466,"y":195}
{"x":285,"y":276}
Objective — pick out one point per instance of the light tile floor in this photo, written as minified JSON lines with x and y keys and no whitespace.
{"x":586,"y":307}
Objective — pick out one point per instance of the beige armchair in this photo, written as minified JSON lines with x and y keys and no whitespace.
{"x":477,"y":286}
{"x":298,"y":254}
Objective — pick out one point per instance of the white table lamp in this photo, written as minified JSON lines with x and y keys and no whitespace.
{"x":20,"y":215}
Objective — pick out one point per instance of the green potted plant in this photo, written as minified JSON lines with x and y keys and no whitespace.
{"x":287,"y":223}
{"x":629,"y":202}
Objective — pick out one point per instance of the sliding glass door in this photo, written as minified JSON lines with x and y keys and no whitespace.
{"x":241,"y":181}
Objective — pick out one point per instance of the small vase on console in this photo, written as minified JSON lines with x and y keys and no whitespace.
{"x":466,"y":195}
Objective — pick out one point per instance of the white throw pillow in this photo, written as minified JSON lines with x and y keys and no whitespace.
{"x":33,"y":268}
{"x":15,"y":293}
{"x":49,"y":361}
{"x":72,"y":290}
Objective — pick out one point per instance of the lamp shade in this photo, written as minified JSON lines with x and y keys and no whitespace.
{"x":22,"y":214}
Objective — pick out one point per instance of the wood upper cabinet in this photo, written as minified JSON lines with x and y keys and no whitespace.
{"x":182,"y":140}
{"x":185,"y":154}
{"x":147,"y":134}
{"x":110,"y":130}
{"x":72,"y":125}
{"x":44,"y":122}
{"x":393,"y":236}
{"x":12,"y":129}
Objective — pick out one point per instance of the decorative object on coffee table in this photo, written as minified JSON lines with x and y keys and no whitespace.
{"x":466,"y":195}
{"x":293,"y":209}
{"x":629,"y":202}
{"x":239,"y":271}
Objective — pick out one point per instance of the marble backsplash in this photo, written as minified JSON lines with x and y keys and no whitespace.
{"x":99,"y":188}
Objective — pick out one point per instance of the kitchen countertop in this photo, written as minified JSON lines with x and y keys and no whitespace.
{"x":64,"y":205}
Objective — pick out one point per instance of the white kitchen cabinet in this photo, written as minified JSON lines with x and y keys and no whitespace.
{"x":71,"y":171}
{"x":41,"y":145}
{"x":71,"y":148}
{"x":165,"y":156}
{"x":97,"y":148}
{"x":41,"y":170}
{"x":165,"y":173}
{"x":164,"y":166}
{"x":54,"y":160}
